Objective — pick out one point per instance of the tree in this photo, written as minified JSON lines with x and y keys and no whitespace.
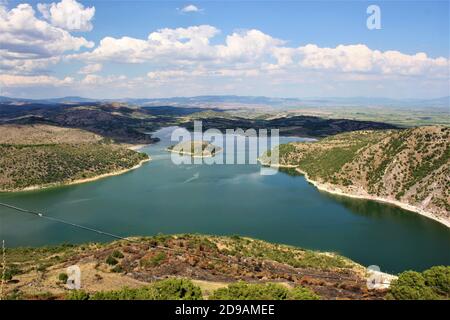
{"x":411,"y":285}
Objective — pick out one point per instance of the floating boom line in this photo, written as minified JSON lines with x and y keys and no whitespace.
{"x":75,"y":225}
{"x":79,"y":226}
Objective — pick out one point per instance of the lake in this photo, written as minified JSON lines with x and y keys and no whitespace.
{"x":161,"y":197}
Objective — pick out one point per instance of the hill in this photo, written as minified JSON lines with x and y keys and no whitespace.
{"x":44,"y":134}
{"x":169,"y":111}
{"x":303,"y":126}
{"x":121,"y":123}
{"x":410,"y":167}
{"x":210,"y":262}
{"x":41,"y":156}
{"x":194,"y":267}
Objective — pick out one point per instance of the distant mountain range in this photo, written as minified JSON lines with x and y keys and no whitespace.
{"x":443,"y":102}
{"x":64,"y":100}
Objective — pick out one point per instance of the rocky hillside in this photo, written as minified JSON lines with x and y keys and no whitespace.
{"x":194,"y":267}
{"x":121,"y":123}
{"x":407,"y":166}
{"x":41,"y":156}
{"x":210,"y":262}
{"x":303,"y":126}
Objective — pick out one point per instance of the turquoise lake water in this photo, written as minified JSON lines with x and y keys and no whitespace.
{"x":161,"y":197}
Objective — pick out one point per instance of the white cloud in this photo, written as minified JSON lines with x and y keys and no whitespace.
{"x":164,"y":75}
{"x":26,"y":66}
{"x":181,"y":48}
{"x":186,"y":44}
{"x":181,"y":75}
{"x":361,"y":59}
{"x":25,"y":36}
{"x":68,"y":14}
{"x":248,"y":45}
{"x":182,"y":59}
{"x":93,"y":79}
{"x":190,"y":8}
{"x":91,"y":68}
{"x":28,"y":43}
{"x":33,"y":81}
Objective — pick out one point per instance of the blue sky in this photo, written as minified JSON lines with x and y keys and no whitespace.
{"x":407,"y":26}
{"x":283,"y":48}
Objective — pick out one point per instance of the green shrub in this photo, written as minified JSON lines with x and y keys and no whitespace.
{"x":63,"y":277}
{"x":302,"y":293}
{"x":111,"y":261}
{"x":153,"y":261}
{"x":117,"y":254}
{"x":117,"y":269}
{"x":438,"y":278}
{"x":77,"y":295}
{"x":144,"y":293}
{"x":42,"y":267}
{"x":9,"y":273}
{"x":411,"y":285}
{"x":176,"y":289}
{"x":270,"y":291}
{"x":170,"y":289}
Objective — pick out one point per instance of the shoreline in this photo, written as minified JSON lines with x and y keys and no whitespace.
{"x":77,"y":181}
{"x":339,"y":192}
{"x":136,"y":147}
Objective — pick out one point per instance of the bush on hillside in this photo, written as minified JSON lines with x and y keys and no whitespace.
{"x":77,"y":295}
{"x":170,"y":289}
{"x":111,"y":261}
{"x":431,"y":284}
{"x":62,"y":277}
{"x":269,"y":291}
{"x":117,"y":254}
{"x":438,"y":278}
{"x":302,"y":293}
{"x":9,"y":272}
{"x":176,"y":289}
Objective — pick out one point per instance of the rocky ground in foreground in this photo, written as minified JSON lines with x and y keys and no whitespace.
{"x":211,"y":262}
{"x":193,"y":267}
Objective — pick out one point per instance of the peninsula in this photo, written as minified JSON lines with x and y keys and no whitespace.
{"x":408,"y":168}
{"x":42,"y":156}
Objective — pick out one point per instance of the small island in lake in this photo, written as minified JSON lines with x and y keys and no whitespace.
{"x":194,"y":148}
